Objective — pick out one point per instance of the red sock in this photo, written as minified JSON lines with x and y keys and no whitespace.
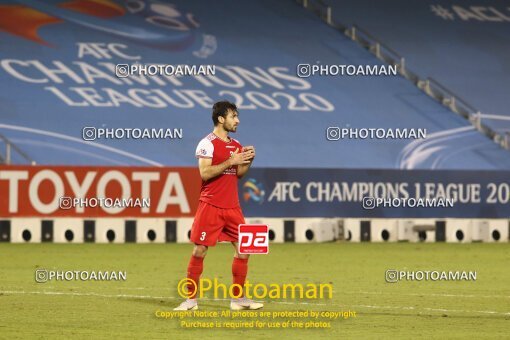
{"x":239,"y":271}
{"x":195,"y":268}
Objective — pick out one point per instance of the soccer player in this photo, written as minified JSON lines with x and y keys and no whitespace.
{"x":221,"y":161}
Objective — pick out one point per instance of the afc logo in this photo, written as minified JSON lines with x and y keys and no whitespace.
{"x":253,"y":239}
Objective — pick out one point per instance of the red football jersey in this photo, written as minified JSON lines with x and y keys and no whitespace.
{"x":220,"y":191}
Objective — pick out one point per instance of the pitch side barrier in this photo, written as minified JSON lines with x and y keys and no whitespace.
{"x":157,"y":205}
{"x":280,"y":230}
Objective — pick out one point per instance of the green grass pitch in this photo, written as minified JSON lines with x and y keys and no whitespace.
{"x":116,"y":309}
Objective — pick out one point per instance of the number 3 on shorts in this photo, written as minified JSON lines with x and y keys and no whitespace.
{"x":202,"y":237}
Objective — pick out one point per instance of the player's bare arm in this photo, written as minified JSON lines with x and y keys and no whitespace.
{"x":209,"y":171}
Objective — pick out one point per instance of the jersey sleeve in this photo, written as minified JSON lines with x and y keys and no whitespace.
{"x":204,"y":149}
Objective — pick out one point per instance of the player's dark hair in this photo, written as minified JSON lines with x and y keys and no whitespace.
{"x":220,"y":109}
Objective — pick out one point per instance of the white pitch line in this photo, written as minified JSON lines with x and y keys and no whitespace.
{"x":334,"y":291}
{"x":87,"y":294}
{"x":434,"y":309}
{"x":278,"y":302}
{"x":433,"y":294}
{"x":302,"y":303}
{"x":120,"y":288}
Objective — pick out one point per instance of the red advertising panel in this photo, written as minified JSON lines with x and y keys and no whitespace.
{"x":73,"y":191}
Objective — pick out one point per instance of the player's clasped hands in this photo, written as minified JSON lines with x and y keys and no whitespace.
{"x":250,"y":150}
{"x":246,"y":156}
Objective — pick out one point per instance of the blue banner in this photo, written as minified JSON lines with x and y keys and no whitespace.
{"x":272,"y":192}
{"x":70,"y":70}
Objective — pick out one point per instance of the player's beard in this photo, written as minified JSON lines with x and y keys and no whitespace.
{"x":231,"y":128}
